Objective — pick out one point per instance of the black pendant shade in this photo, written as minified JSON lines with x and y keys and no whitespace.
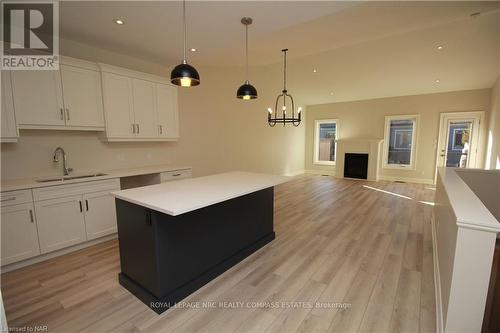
{"x":246,"y":91}
{"x":185,"y":75}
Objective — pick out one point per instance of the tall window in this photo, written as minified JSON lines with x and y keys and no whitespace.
{"x":400,"y":139}
{"x":325,"y":145}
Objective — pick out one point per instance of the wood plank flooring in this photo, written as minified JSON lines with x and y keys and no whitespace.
{"x":365,"y":245}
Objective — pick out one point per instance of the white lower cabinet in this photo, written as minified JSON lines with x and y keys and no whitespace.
{"x":18,"y":233}
{"x":61,"y":222}
{"x":100,"y":214}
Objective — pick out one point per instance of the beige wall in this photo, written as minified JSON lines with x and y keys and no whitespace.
{"x":365,"y":119}
{"x":218,"y":132}
{"x":492,"y":160}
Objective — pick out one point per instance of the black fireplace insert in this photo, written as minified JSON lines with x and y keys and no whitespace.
{"x":356,"y":165}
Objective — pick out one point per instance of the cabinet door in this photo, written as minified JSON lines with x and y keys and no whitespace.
{"x":145,"y":108}
{"x":9,"y":127}
{"x":19,"y":233}
{"x":82,"y":97}
{"x":118,"y":108}
{"x":60,"y":222}
{"x":166,"y":106}
{"x":100,"y":214}
{"x":38,"y":97}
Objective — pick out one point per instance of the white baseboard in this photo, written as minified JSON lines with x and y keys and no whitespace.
{"x":47,"y":256}
{"x":321,"y":172}
{"x":437,"y":279}
{"x":407,"y":180}
{"x":294,"y":173}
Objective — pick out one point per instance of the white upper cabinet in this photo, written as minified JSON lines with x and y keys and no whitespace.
{"x":138,"y":106}
{"x":82,"y":97}
{"x":144,"y":97}
{"x":38,"y":99}
{"x":68,"y":99}
{"x":168,"y":121}
{"x":9,"y":131}
{"x":118,"y":106}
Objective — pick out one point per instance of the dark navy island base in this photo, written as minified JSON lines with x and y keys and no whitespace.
{"x":165,"y":258}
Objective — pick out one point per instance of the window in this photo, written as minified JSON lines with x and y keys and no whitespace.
{"x":400,"y":136}
{"x":325,"y":141}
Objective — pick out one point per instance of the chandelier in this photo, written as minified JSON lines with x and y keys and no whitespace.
{"x":286,"y":103}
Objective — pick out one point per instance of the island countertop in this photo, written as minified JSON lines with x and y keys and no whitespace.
{"x":182,"y":196}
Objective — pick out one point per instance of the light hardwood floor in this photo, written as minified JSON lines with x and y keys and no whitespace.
{"x":337,"y":241}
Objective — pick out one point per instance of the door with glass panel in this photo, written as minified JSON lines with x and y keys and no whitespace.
{"x":458,"y":139}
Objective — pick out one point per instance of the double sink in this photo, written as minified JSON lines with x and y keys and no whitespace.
{"x":63,"y":178}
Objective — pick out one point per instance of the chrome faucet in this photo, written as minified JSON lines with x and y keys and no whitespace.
{"x":58,"y":150}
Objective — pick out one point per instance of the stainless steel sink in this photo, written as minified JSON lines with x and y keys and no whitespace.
{"x":59,"y":179}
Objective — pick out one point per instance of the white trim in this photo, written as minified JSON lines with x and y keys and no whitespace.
{"x":477,"y":118}
{"x":407,"y":179}
{"x":329,"y":172}
{"x":413,"y":152}
{"x":317,"y":123}
{"x":47,"y":256}
{"x":437,"y":279}
{"x":134,"y":74}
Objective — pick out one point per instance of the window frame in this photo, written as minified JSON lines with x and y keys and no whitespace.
{"x":317,"y":124}
{"x":414,"y":138}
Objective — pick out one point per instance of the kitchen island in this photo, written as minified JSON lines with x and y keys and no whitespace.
{"x":176,"y":237}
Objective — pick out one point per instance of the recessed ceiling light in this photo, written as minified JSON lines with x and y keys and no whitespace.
{"x":193,"y":49}
{"x":437,"y":80}
{"x":315,"y":70}
{"x":119,"y":21}
{"x":331,"y":93}
{"x":440,"y":47}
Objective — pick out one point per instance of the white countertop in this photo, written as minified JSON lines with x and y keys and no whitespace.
{"x":21,"y":184}
{"x":182,"y":196}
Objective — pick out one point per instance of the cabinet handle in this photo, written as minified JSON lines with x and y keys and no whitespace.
{"x":87,"y":204}
{"x":81,"y":208}
{"x":138,"y":129}
{"x":8,"y":199}
{"x":62,"y":113}
{"x":133,"y":128}
{"x":32,"y":219}
{"x":176,"y":175}
{"x":161,"y":129}
{"x":67,"y":113}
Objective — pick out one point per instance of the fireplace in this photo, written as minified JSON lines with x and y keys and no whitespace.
{"x":356,"y":165}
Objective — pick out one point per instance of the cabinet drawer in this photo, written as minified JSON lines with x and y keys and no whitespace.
{"x":15,"y":197}
{"x":174,"y":175}
{"x":59,"y":191}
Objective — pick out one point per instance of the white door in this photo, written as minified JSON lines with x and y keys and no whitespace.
{"x":118,"y":106}
{"x":60,"y":223}
{"x":100,"y":214}
{"x":458,"y":139}
{"x":82,"y":97}
{"x":144,"y":93}
{"x":18,"y":233}
{"x":38,"y":97}
{"x":9,"y":127}
{"x":166,"y":106}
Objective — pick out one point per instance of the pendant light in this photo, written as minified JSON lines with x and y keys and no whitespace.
{"x":282,"y":118}
{"x":184,"y":75}
{"x":246,"y":91}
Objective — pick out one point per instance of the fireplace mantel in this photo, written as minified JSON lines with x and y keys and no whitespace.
{"x":372,"y":147}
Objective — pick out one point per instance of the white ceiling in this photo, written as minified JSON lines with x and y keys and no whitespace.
{"x":361,"y":49}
